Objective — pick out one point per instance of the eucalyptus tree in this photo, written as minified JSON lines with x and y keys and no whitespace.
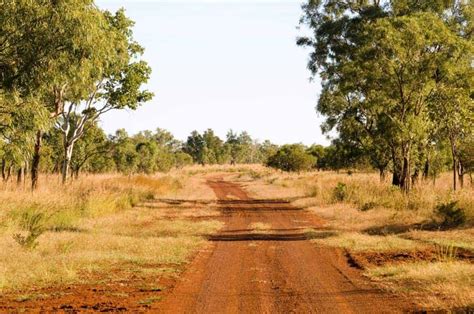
{"x":194,"y":146}
{"x":453,"y":110}
{"x":114,"y":78}
{"x":381,"y":63}
{"x":124,"y":152}
{"x":42,"y":43}
{"x":92,"y":152}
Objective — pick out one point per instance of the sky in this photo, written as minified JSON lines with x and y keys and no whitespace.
{"x":222,"y":64}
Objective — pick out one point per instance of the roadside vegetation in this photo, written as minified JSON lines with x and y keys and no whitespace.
{"x":58,"y":236}
{"x":401,"y":241}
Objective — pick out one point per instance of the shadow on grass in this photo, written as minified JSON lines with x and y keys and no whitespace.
{"x":403,"y":228}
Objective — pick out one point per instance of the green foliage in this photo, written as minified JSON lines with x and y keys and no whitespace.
{"x":183,"y":159}
{"x":395,"y":78}
{"x":451,"y":215}
{"x":292,"y":158}
{"x":339,"y":192}
{"x":208,"y":148}
{"x":33,"y":223}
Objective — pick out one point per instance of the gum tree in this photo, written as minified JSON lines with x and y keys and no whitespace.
{"x":381,"y":63}
{"x":113,"y":82}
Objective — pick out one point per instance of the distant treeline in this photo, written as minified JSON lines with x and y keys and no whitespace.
{"x":149,"y":152}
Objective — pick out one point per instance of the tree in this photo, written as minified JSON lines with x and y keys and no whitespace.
{"x":114,"y":83}
{"x":41,"y":43}
{"x":194,"y":146}
{"x":291,"y":158}
{"x":452,"y":109}
{"x":380,"y":66}
{"x":266,"y":149}
{"x":182,"y":160}
{"x":124,"y":153}
{"x":243,"y":149}
{"x":92,"y":152}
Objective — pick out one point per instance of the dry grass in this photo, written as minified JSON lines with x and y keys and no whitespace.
{"x":434,"y":284}
{"x":367,"y":215}
{"x":364,"y":191}
{"x":260,"y":227}
{"x":108,"y":220}
{"x":100,"y":222}
{"x":358,"y":242}
{"x":461,"y":238}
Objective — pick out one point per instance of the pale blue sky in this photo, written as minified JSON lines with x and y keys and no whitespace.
{"x":223,"y":65}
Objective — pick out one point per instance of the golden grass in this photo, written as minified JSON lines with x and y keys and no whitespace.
{"x":100,"y":222}
{"x":68,"y":257}
{"x":260,"y":227}
{"x":358,"y":242}
{"x":462,"y":238}
{"x":373,"y":216}
{"x":434,"y":284}
{"x":103,"y":221}
{"x":368,"y":202}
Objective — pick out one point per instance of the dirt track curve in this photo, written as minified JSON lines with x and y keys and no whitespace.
{"x":271,"y":271}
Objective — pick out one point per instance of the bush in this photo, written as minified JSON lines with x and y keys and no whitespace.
{"x":368,"y":206}
{"x":34,"y":223}
{"x":340,"y":192}
{"x":292,"y":158}
{"x":451,"y":214}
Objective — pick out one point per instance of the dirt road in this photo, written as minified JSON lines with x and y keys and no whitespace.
{"x":262,"y":262}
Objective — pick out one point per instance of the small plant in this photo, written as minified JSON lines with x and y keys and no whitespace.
{"x":446,"y":253}
{"x":368,"y":206}
{"x":340,"y":192}
{"x":150,"y":301}
{"x":451,"y":214}
{"x":33,"y":223}
{"x":255,"y":175}
{"x":313,"y":191}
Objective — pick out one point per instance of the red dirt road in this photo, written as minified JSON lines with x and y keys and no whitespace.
{"x":273,"y":269}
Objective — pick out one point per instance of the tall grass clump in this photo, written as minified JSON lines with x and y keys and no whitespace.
{"x":451,"y":214}
{"x":65,"y":205}
{"x":33,"y":223}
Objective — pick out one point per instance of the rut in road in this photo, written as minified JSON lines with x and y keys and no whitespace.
{"x":276,"y":270}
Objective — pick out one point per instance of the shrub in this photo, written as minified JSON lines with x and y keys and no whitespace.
{"x":368,"y":206}
{"x":340,"y":192}
{"x":292,"y":158}
{"x":451,"y":214}
{"x":34,"y":223}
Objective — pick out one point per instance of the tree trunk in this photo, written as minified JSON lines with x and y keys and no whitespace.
{"x":414,"y":177}
{"x":426,"y":170}
{"x":396,"y":178}
{"x":455,"y":162}
{"x":455,"y":173}
{"x":4,"y":167}
{"x":36,"y":160}
{"x":461,"y":174}
{"x":405,"y":175}
{"x":66,"y":161}
{"x":382,"y":174}
{"x":9,"y":173}
{"x":19,"y":177}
